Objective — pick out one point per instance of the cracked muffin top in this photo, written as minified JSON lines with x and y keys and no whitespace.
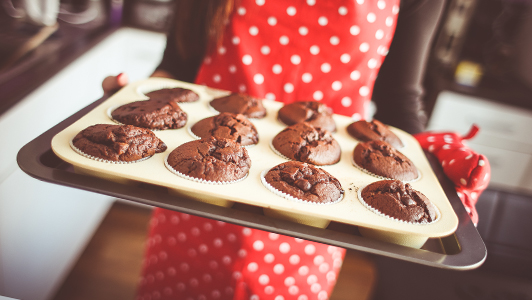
{"x":118,"y":142}
{"x":306,"y":143}
{"x":237,"y":103}
{"x":373,"y":130}
{"x":211,"y":159}
{"x":178,"y":95}
{"x":381,"y":159}
{"x":151,"y":114}
{"x":235,"y":127}
{"x":398,"y":200}
{"x":305,"y":182}
{"x":313,"y":112}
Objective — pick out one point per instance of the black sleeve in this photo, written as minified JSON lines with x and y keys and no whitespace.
{"x":398,"y":89}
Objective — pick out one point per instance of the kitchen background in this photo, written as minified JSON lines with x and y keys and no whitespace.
{"x":480,"y":72}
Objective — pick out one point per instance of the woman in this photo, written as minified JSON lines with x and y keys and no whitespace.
{"x":330,"y":51}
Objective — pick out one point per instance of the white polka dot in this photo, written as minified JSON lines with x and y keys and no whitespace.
{"x":222,"y":50}
{"x":324,"y":267}
{"x":260,"y":2}
{"x":446,"y":147}
{"x":382,"y":50}
{"x":431,"y":148}
{"x":389,"y":21}
{"x":237,"y":275}
{"x":294,"y":259}
{"x":253,"y":30}
{"x":289,"y":281}
{"x":247,"y":59}
{"x":242,"y":253}
{"x":451,"y":162}
{"x":269,"y":258}
{"x":272,"y":21}
{"x":269,"y":290}
{"x":364,"y":47}
{"x":372,"y":63}
{"x":345,"y":58}
{"x":241,"y":11}
{"x":312,"y":279}
{"x":195,"y":231}
{"x":463,"y":181}
{"x":265,"y":50}
{"x":298,"y":240}
{"x":270,"y":96}
{"x":342,"y":10}
{"x":181,"y":286}
{"x":217,"y":243}
{"x":231,"y":237}
{"x":284,"y":247}
{"x":288,"y":87}
{"x":322,"y":295}
{"x":346,"y":101}
{"x":371,"y":17}
{"x":273,"y":236}
{"x":363,"y":91}
{"x":278,"y":269}
{"x":467,"y":157}
{"x":291,"y":11}
{"x":293,"y":290}
{"x":279,"y":297}
{"x":232,"y":69}
{"x":303,"y":30}
{"x":318,"y":259}
{"x":216,"y":294}
{"x":318,"y":95}
{"x":258,"y":245}
{"x":253,"y":266}
{"x":246,"y":231}
{"x":323,"y":21}
{"x":213,"y":264}
{"x":226,"y":259}
{"x":325,"y":68}
{"x":181,"y":237}
{"x":381,"y":4}
{"x":315,"y":288}
{"x":277,"y":69}
{"x":311,"y":2}
{"x":302,"y":297}
{"x":355,"y":75}
{"x":264,"y":279}
{"x":314,"y":49}
{"x":354,"y":30}
{"x":203,"y":248}
{"x":258,"y":78}
{"x":217,"y":78}
{"x":395,"y":9}
{"x":303,"y":271}
{"x":337,"y":85}
{"x":306,"y":77}
{"x":481,"y":162}
{"x":310,"y":249}
{"x":284,"y":40}
{"x":295,"y":59}
{"x":379,"y":34}
{"x":360,"y":2}
{"x":334,"y":40}
{"x":207,"y":277}
{"x":184,"y":267}
{"x":331,"y":276}
{"x":235,"y":40}
{"x":467,"y":209}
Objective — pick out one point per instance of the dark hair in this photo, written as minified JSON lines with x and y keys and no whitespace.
{"x":199,"y":25}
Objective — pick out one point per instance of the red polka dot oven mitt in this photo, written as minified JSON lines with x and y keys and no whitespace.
{"x":469,"y":171}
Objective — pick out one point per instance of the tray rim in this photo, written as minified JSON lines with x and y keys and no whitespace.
{"x":470,"y":253}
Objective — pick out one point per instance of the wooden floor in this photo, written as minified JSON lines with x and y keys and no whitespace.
{"x":109,"y":267}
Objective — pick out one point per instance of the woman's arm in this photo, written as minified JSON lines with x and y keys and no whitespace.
{"x":399,"y":85}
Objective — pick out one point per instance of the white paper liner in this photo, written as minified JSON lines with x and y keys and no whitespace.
{"x":359,"y":193}
{"x":112,"y":108}
{"x":145,"y":89}
{"x":104,"y":160}
{"x":382,"y":177}
{"x":290,"y":197}
{"x":198,"y":179}
{"x":189,"y":129}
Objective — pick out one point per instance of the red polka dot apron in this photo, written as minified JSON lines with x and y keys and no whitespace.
{"x":289,"y":50}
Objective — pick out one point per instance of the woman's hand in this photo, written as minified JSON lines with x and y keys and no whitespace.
{"x":111,"y":84}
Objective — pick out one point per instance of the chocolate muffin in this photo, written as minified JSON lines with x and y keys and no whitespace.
{"x":118,"y":142}
{"x":240,"y":104}
{"x":313,"y":112}
{"x":235,"y":127}
{"x":305,"y":182}
{"x":381,"y":159}
{"x":211,"y":159}
{"x":306,"y":143}
{"x":151,"y":114}
{"x":373,"y":131}
{"x":400,"y":201}
{"x":178,"y":95}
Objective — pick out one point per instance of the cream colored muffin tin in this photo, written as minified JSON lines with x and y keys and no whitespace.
{"x":250,"y":190}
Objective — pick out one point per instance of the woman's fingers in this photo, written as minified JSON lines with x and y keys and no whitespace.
{"x":111,"y":84}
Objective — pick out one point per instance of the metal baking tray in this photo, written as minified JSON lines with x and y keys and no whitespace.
{"x":462,"y":250}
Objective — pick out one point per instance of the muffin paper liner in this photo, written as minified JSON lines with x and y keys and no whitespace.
{"x":171,"y":169}
{"x":366,"y":205}
{"x":382,"y":177}
{"x":104,"y":160}
{"x":145,"y":89}
{"x":189,"y":129}
{"x":290,"y":197}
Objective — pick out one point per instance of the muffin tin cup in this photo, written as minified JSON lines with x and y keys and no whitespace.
{"x":382,"y":177}
{"x":408,"y":240}
{"x":291,"y":216}
{"x":192,"y":134}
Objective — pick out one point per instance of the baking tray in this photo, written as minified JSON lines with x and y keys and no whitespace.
{"x":463,"y":249}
